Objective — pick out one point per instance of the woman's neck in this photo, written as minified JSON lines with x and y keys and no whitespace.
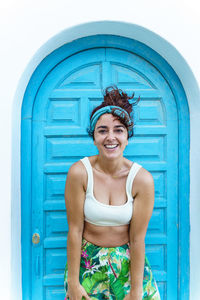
{"x":109,"y":166}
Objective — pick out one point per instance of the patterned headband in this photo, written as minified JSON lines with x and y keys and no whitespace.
{"x":117,"y":110}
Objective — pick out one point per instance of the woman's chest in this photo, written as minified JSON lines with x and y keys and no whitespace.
{"x":111,"y":191}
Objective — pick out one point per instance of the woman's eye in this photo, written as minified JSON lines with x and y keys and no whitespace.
{"x":102,"y":131}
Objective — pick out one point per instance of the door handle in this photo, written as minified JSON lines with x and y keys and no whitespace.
{"x":36,"y":241}
{"x":36,"y":238}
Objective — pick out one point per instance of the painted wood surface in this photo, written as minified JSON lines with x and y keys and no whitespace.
{"x":59,"y":122}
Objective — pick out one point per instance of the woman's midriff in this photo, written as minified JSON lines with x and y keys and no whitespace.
{"x":106,"y":236}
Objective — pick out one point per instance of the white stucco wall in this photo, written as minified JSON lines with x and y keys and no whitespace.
{"x":25,"y":27}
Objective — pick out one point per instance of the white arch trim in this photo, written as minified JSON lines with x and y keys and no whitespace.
{"x":190,"y":85}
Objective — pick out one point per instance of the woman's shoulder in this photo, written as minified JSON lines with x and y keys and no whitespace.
{"x":144,"y":176}
{"x":77,"y":170}
{"x":143,"y":180}
{"x":77,"y":174}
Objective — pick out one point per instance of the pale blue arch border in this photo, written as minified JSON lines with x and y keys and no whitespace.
{"x":104,"y":27}
{"x":183,"y":114}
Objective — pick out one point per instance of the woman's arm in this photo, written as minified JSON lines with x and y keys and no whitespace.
{"x":74,"y":200}
{"x":143,"y":189}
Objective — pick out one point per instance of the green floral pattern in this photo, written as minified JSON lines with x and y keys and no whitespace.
{"x":104,"y":273}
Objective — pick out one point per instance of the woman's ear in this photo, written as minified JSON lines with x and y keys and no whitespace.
{"x":94,"y":139}
{"x":127,"y":139}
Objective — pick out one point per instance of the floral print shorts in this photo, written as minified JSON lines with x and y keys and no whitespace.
{"x":104,"y":273}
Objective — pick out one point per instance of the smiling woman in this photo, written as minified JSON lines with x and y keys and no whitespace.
{"x":109,"y":202}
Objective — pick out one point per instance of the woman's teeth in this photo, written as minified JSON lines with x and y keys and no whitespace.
{"x":111,"y":146}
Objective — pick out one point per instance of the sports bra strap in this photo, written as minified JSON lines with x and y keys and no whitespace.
{"x":88,"y":167}
{"x":131,"y":176}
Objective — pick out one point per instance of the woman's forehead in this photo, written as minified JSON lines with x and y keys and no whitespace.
{"x":108,"y":119}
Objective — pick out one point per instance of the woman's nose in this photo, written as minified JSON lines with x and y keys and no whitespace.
{"x":111,"y":135}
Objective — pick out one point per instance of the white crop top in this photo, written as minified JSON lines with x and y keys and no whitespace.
{"x":101,"y":214}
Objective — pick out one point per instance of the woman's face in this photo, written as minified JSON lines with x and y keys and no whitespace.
{"x":110,"y":136}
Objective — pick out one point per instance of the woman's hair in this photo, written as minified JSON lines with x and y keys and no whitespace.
{"x":117,"y":97}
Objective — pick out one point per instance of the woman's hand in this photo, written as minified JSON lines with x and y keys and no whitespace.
{"x":76,"y":292}
{"x":134,"y":296}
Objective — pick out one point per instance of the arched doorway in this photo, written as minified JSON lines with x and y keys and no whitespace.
{"x":55,"y":114}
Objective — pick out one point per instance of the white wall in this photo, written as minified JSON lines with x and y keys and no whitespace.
{"x":26,"y":25}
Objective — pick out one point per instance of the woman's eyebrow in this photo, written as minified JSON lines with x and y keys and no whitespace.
{"x":116,"y":126}
{"x":102,"y":126}
{"x":120,"y":126}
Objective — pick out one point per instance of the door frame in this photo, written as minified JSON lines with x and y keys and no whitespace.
{"x":184,"y":140}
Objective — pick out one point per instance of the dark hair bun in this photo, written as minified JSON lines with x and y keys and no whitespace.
{"x":115,"y":96}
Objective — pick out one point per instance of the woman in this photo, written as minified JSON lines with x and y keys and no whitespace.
{"x":109,"y":202}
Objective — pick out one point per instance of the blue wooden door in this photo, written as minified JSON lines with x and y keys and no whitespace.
{"x":59,"y":138}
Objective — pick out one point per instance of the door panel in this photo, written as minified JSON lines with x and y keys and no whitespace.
{"x":60,"y":120}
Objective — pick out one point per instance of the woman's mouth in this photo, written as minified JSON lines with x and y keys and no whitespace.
{"x":111,"y":146}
